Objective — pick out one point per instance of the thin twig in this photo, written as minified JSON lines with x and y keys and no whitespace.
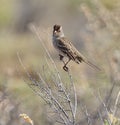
{"x":100,"y":116}
{"x":75,"y":98}
{"x":116,"y":103}
{"x":36,"y":31}
{"x":100,"y":99}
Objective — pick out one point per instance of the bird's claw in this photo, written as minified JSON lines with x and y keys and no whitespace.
{"x":65,"y":68}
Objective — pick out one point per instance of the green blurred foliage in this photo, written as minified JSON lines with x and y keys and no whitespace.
{"x":6,"y":8}
{"x":110,"y":4}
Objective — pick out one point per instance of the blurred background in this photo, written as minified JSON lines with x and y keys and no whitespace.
{"x":93,"y":26}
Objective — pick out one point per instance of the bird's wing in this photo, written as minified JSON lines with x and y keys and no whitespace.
{"x":67,"y":48}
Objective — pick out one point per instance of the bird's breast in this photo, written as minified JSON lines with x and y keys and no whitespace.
{"x":55,"y":42}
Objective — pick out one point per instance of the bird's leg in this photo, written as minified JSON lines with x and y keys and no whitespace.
{"x":65,"y":65}
{"x":61,"y":57}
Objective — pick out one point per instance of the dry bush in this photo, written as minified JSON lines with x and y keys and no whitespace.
{"x":61,"y":97}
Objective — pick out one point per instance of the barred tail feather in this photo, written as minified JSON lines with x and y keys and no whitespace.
{"x":83,"y":59}
{"x":91,"y":64}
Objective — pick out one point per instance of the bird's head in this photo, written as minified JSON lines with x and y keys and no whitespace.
{"x":57,"y":31}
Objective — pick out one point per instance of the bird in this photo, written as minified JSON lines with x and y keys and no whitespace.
{"x":65,"y":48}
